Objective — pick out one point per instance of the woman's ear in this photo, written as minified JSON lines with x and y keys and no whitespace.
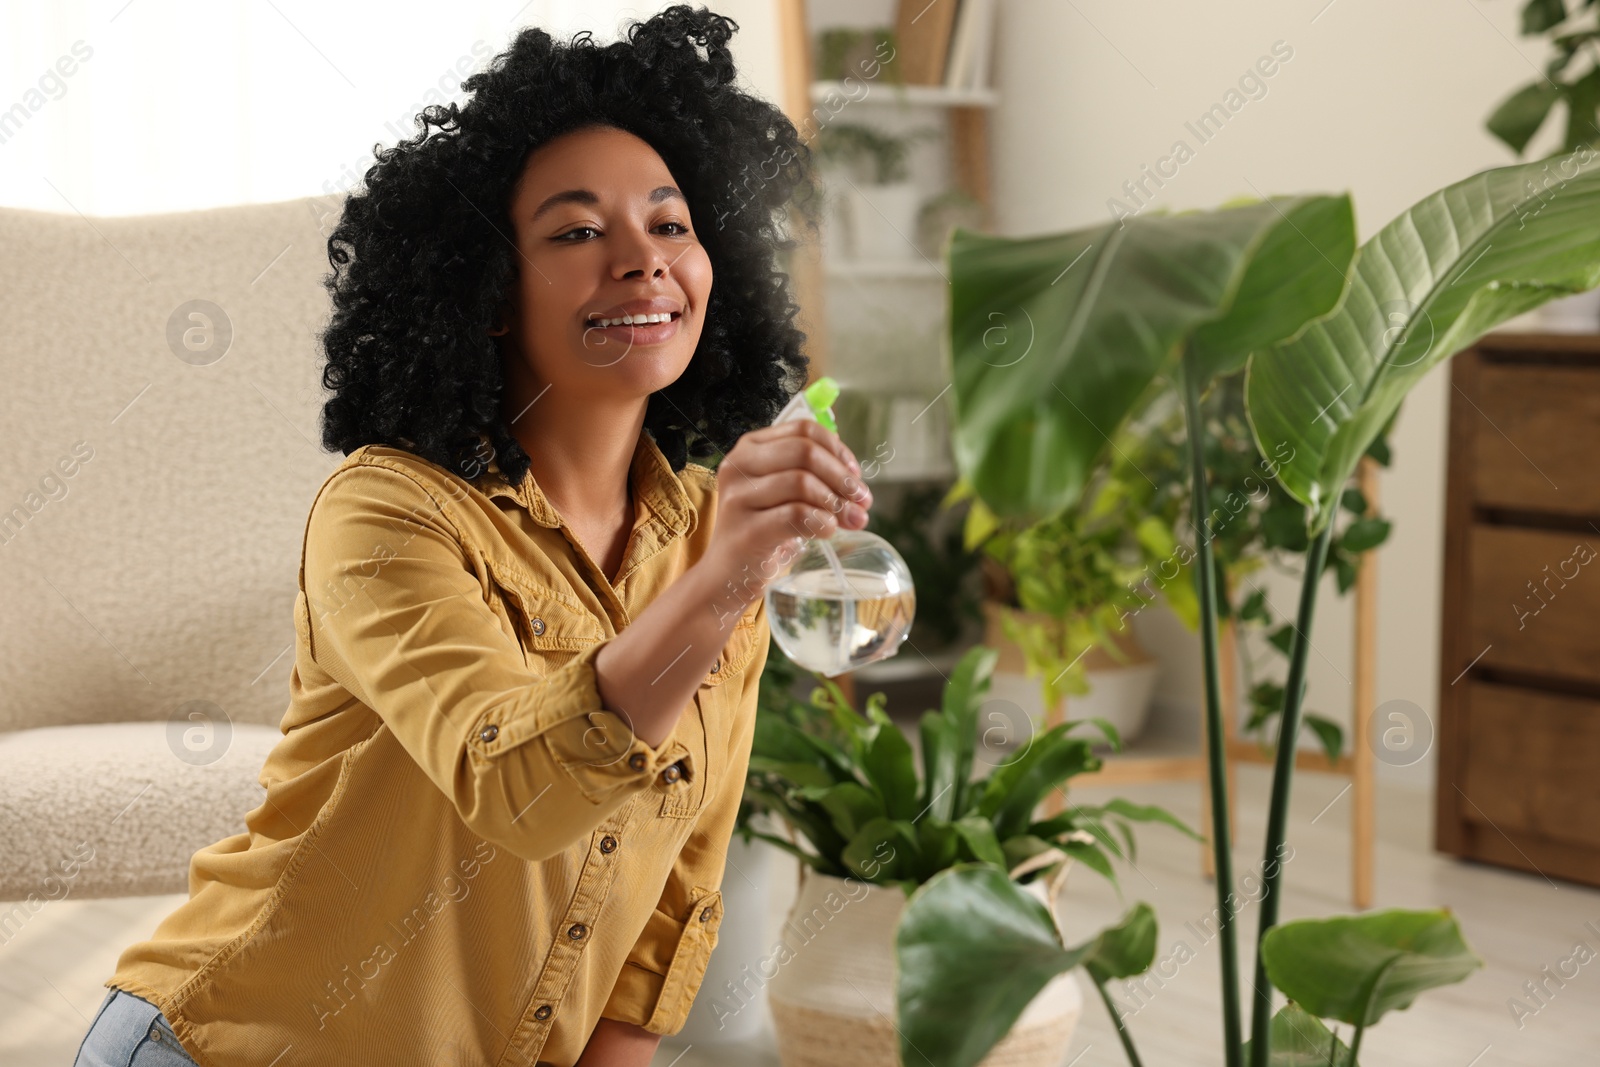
{"x":502,"y":319}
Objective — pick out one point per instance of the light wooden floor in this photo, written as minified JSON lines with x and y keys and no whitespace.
{"x":50,"y":973}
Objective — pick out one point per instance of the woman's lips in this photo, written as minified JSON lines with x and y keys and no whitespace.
{"x":647,"y":334}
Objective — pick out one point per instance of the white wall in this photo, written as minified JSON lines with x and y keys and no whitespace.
{"x":1383,"y":99}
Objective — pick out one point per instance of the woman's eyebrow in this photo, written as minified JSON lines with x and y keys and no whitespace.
{"x":584,"y":196}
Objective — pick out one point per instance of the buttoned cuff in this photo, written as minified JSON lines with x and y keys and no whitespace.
{"x":664,"y":972}
{"x":594,"y":746}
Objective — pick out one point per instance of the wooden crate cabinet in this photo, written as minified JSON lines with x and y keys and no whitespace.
{"x":1519,"y":680}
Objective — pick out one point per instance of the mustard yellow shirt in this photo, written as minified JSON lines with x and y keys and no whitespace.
{"x":462,"y":857}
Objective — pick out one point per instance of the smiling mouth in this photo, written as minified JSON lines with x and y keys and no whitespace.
{"x":654,"y":319}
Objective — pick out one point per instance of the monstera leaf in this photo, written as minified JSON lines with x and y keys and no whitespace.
{"x":1053,"y":340}
{"x":1358,"y":968}
{"x":973,"y":948}
{"x":1438,"y":277}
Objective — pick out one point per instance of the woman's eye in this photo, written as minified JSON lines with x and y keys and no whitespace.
{"x":572,"y":233}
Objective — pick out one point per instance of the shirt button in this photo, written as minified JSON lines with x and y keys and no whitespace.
{"x":542,"y":1013}
{"x":672,"y":773}
{"x":717,"y":666}
{"x":608,"y":844}
{"x":576,"y":931}
{"x":489,"y":733}
{"x":538,"y":626}
{"x":705,"y":914}
{"x":637,"y":761}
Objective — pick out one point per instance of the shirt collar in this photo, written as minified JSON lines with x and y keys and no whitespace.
{"x":652,"y":477}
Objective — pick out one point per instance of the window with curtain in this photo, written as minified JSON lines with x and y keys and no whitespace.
{"x":129,"y":107}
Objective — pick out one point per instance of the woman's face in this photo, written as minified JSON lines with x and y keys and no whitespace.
{"x":602,"y":232}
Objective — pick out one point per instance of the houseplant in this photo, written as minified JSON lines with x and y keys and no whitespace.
{"x":881,"y":201}
{"x":1574,"y":33}
{"x":1062,"y":589}
{"x":1258,"y":526}
{"x":1570,"y":77}
{"x":843,"y":51}
{"x":869,"y":829}
{"x":1277,"y":287}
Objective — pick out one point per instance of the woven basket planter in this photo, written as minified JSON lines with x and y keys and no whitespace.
{"x":833,"y":1001}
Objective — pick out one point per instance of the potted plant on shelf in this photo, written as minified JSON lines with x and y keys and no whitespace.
{"x":869,"y":826}
{"x":1329,"y":337}
{"x":846,"y":51}
{"x":880,"y":200}
{"x":1060,"y":592}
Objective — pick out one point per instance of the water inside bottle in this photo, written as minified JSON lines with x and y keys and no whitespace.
{"x":827,"y":625}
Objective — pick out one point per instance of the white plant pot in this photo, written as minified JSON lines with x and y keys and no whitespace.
{"x":1579,"y":313}
{"x":833,"y":998}
{"x":728,"y":1008}
{"x":883,"y":221}
{"x":1119,"y":694}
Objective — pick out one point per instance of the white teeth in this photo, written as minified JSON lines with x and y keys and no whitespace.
{"x":632,"y":320}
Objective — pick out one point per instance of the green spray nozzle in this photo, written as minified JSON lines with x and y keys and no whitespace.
{"x":820,"y":396}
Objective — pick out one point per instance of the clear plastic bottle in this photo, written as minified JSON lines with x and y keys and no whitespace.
{"x":843,"y":601}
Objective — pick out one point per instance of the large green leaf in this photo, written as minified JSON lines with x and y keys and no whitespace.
{"x":978,"y":833}
{"x":1299,"y":1039}
{"x":1521,"y":114}
{"x":1126,"y":949}
{"x":1054,"y":339}
{"x":1013,"y":791}
{"x":784,"y":742}
{"x":890,"y":766}
{"x":882,"y":850}
{"x":810,"y":820}
{"x":850,"y":804}
{"x":948,"y":736}
{"x":973,"y":948}
{"x":1442,"y":274}
{"x":1358,"y":968}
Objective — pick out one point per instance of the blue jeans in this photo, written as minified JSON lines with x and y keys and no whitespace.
{"x":129,"y":1031}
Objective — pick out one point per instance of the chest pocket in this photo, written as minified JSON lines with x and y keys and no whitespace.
{"x":551,"y":626}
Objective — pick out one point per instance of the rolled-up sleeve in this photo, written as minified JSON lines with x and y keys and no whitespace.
{"x":667,"y":964}
{"x":392,"y":610}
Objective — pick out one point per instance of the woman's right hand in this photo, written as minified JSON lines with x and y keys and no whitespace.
{"x":778,"y":487}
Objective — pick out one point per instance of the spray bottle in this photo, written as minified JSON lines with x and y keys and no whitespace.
{"x":845,"y":600}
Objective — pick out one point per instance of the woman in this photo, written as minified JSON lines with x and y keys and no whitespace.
{"x":530,"y":630}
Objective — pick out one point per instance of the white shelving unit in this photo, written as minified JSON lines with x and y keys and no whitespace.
{"x":875,"y":325}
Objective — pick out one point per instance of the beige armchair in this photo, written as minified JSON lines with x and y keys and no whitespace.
{"x":160,"y":417}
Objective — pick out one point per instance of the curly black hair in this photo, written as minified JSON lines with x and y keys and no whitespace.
{"x":422,"y":254}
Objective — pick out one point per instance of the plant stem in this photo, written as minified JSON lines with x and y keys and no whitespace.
{"x":1122,"y":1029}
{"x":1355,"y":1045}
{"x":1294,"y":691}
{"x":1205,"y":580}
